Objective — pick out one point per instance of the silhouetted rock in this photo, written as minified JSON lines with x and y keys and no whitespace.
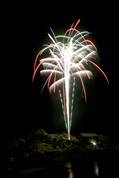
{"x":41,"y":145}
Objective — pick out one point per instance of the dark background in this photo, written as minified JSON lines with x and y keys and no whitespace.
{"x":25,"y":28}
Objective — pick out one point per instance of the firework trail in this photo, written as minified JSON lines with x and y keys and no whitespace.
{"x":68,"y":58}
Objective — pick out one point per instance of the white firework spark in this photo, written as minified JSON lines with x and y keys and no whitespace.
{"x":69,"y":56}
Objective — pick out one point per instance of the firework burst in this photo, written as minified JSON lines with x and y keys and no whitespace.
{"x":69,"y":56}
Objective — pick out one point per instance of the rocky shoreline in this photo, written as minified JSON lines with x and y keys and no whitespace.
{"x":39,"y":143}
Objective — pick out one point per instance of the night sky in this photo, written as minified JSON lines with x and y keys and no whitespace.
{"x":25,"y":31}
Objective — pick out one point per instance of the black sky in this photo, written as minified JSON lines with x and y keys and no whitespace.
{"x":25,"y":30}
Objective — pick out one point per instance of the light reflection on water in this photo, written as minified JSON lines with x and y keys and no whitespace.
{"x":93,"y":171}
{"x":86,"y":167}
{"x":69,"y":170}
{"x":96,"y":168}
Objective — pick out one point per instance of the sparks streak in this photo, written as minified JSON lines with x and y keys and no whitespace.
{"x":68,"y":58}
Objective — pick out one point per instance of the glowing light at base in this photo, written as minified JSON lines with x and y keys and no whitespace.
{"x":93,"y":142}
{"x":64,"y":59}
